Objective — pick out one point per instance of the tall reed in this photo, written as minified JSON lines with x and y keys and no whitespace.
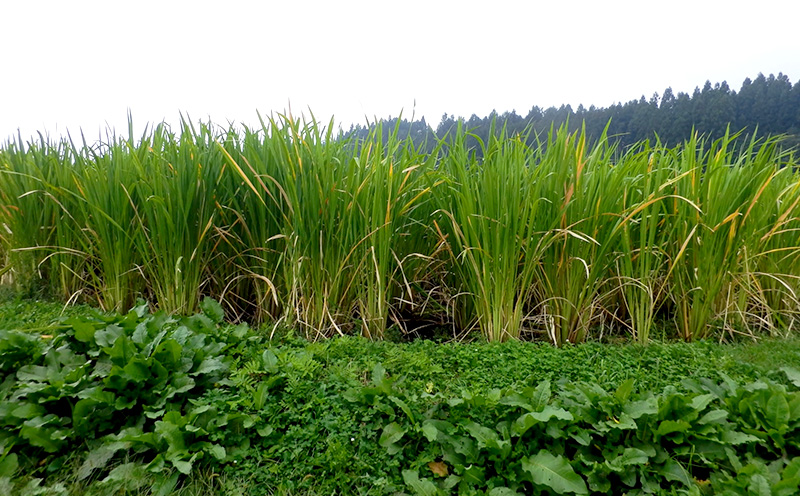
{"x":103,"y":178}
{"x":175,"y":211}
{"x":715,"y":239}
{"x":490,"y":209}
{"x":42,"y":236}
{"x":333,"y":234}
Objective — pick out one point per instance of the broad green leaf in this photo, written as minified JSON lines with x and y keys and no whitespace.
{"x":32,"y":373}
{"x":794,"y":407}
{"x":27,"y":411}
{"x":157,"y":464}
{"x":624,"y":390}
{"x":793,"y":374}
{"x":105,"y":338}
{"x":432,"y":427}
{"x":462,"y":445}
{"x":212,"y":309}
{"x":98,"y":458}
{"x":165,"y":485}
{"x":429,"y":431}
{"x":554,"y":472}
{"x":265,"y":431}
{"x":541,"y":395}
{"x":670,"y":426}
{"x":199,"y":323}
{"x":168,"y":352}
{"x":269,"y":360}
{"x":623,"y":422}
{"x":378,"y":374}
{"x":637,"y":409}
{"x":421,"y":487}
{"x":475,"y":475}
{"x":210,"y":365}
{"x":175,"y":417}
{"x":674,"y":471}
{"x":701,"y":401}
{"x":391,"y":434}
{"x":137,"y":370}
{"x":550,"y":412}
{"x":135,"y":435}
{"x":582,"y":437}
{"x":140,"y":336}
{"x":122,"y":351}
{"x":199,"y":410}
{"x":484,"y":435}
{"x":759,"y":486}
{"x":240,"y":331}
{"x":598,"y":480}
{"x":450,"y":482}
{"x":403,"y":406}
{"x":260,"y":396}
{"x":40,"y":436}
{"x":787,"y":486}
{"x":217,"y":451}
{"x":82,"y":410}
{"x":141,"y":308}
{"x":172,"y":434}
{"x":528,"y":420}
{"x":453,"y":402}
{"x":713,"y":417}
{"x":131,"y":476}
{"x":792,"y":469}
{"x":736,"y":437}
{"x":777,"y":411}
{"x":124,"y":403}
{"x":629,"y":456}
{"x":516,"y":399}
{"x":8,"y":464}
{"x":182,"y":466}
{"x":84,"y":331}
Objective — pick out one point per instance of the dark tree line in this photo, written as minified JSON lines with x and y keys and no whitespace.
{"x":769,"y":105}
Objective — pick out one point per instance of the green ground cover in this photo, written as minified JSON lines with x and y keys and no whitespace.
{"x":354,"y":416}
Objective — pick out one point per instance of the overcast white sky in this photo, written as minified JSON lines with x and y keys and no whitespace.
{"x":70,"y":65}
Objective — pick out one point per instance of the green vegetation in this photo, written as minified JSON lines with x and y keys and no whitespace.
{"x":146,"y":403}
{"x":503,"y":247}
{"x":335,"y":236}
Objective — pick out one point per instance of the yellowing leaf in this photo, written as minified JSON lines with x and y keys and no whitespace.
{"x":438,"y":468}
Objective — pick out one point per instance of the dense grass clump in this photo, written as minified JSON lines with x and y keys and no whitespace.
{"x":558,"y":241}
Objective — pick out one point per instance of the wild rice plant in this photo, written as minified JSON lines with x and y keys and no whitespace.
{"x":39,"y":226}
{"x":104,"y":179}
{"x":490,"y":209}
{"x":767,"y":281}
{"x":583,"y":210}
{"x":391,"y":190}
{"x":339,"y":209}
{"x":314,"y":183}
{"x":727,"y":186}
{"x":294,"y":222}
{"x":250,"y":247}
{"x":175,"y":210}
{"x":641,"y":259}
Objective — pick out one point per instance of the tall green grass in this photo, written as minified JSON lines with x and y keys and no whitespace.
{"x":556,"y":237}
{"x":490,"y":211}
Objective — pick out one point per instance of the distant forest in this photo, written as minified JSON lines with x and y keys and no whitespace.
{"x":766,"y":105}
